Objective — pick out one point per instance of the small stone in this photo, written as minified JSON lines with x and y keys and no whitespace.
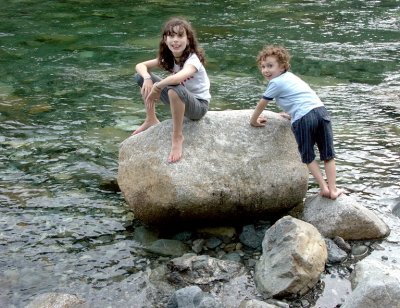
{"x":359,"y":251}
{"x":197,"y":245}
{"x":213,"y":243}
{"x":342,"y":244}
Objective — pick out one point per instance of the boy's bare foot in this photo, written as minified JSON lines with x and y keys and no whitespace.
{"x":334,"y":194}
{"x":146,"y":124}
{"x":176,"y":149}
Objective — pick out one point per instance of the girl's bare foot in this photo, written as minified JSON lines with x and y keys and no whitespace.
{"x":147,"y":124}
{"x":176,"y":149}
{"x":336,"y":193}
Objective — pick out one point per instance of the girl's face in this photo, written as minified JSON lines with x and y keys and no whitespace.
{"x":270,"y":68}
{"x":177,"y":41}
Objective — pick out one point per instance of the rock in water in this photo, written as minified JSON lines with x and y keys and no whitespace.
{"x":229,"y":170}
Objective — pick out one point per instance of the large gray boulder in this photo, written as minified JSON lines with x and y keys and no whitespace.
{"x":229,"y":170}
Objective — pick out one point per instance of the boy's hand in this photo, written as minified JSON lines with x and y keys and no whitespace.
{"x":261,"y":121}
{"x":285,"y":115}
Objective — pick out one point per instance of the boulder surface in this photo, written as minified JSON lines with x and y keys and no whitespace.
{"x":229,"y":170}
{"x":293,"y":258}
{"x":343,"y":217}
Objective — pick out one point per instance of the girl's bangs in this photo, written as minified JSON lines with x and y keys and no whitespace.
{"x":171,"y":29}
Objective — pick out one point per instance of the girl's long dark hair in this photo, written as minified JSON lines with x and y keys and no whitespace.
{"x":165,"y":56}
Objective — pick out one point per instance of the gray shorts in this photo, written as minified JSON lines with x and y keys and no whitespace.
{"x":314,"y":128}
{"x":195,"y":108}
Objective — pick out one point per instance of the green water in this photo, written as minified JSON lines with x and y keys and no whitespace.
{"x":67,"y":99}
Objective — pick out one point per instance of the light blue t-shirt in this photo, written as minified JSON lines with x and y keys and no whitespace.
{"x":292,"y":94}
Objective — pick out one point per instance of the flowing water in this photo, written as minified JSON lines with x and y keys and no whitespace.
{"x":67,"y":99}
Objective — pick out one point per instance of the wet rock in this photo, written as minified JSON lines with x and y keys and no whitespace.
{"x":359,"y":251}
{"x":167,"y":247}
{"x":293,"y":258}
{"x":213,"y":243}
{"x":335,"y":254}
{"x":56,"y":300}
{"x":251,"y":237}
{"x":226,"y":234}
{"x":192,"y":297}
{"x":205,"y":186}
{"x":396,"y":209}
{"x":197,"y":245}
{"x":204,"y":269}
{"x":227,"y":281}
{"x":342,"y":243}
{"x":232,"y":256}
{"x":145,"y":236}
{"x":374,"y":285}
{"x":343,"y":217}
{"x":255,"y":304}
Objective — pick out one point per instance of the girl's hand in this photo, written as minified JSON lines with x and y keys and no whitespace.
{"x":154,"y":95}
{"x":146,"y":88}
{"x":261,"y":121}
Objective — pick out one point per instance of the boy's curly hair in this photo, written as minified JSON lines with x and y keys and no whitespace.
{"x":280,"y":52}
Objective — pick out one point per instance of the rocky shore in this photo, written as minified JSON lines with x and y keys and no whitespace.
{"x":214,"y":267}
{"x":230,"y":226}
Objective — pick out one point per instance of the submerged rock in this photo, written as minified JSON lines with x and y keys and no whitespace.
{"x":192,"y":297}
{"x":59,"y":300}
{"x":229,"y":170}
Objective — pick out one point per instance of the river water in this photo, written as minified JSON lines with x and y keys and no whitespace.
{"x":67,"y":99}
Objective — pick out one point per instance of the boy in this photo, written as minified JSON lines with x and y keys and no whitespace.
{"x":309,"y":118}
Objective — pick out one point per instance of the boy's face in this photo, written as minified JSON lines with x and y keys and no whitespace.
{"x":270,"y":68}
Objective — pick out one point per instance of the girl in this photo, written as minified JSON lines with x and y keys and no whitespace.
{"x":311,"y":123}
{"x":186,"y":89}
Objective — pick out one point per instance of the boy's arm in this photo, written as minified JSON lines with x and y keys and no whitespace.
{"x":256,"y":119}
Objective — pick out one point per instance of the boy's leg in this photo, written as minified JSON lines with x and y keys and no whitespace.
{"x":151,"y":117}
{"x":324,"y":140}
{"x":303,"y":130}
{"x":178,"y":112}
{"x":314,"y":169}
{"x":330,"y":169}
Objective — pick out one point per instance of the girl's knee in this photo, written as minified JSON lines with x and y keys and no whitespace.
{"x":172,"y":94}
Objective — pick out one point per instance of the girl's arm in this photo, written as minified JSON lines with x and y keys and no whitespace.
{"x":257,"y":119}
{"x":173,"y":79}
{"x":143,"y":69}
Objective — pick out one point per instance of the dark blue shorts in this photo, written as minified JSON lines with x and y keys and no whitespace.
{"x":314,"y":128}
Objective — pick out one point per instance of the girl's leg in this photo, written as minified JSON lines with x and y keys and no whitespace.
{"x":313,"y":167}
{"x":151,"y":117}
{"x":178,"y":112}
{"x":330,"y":170}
